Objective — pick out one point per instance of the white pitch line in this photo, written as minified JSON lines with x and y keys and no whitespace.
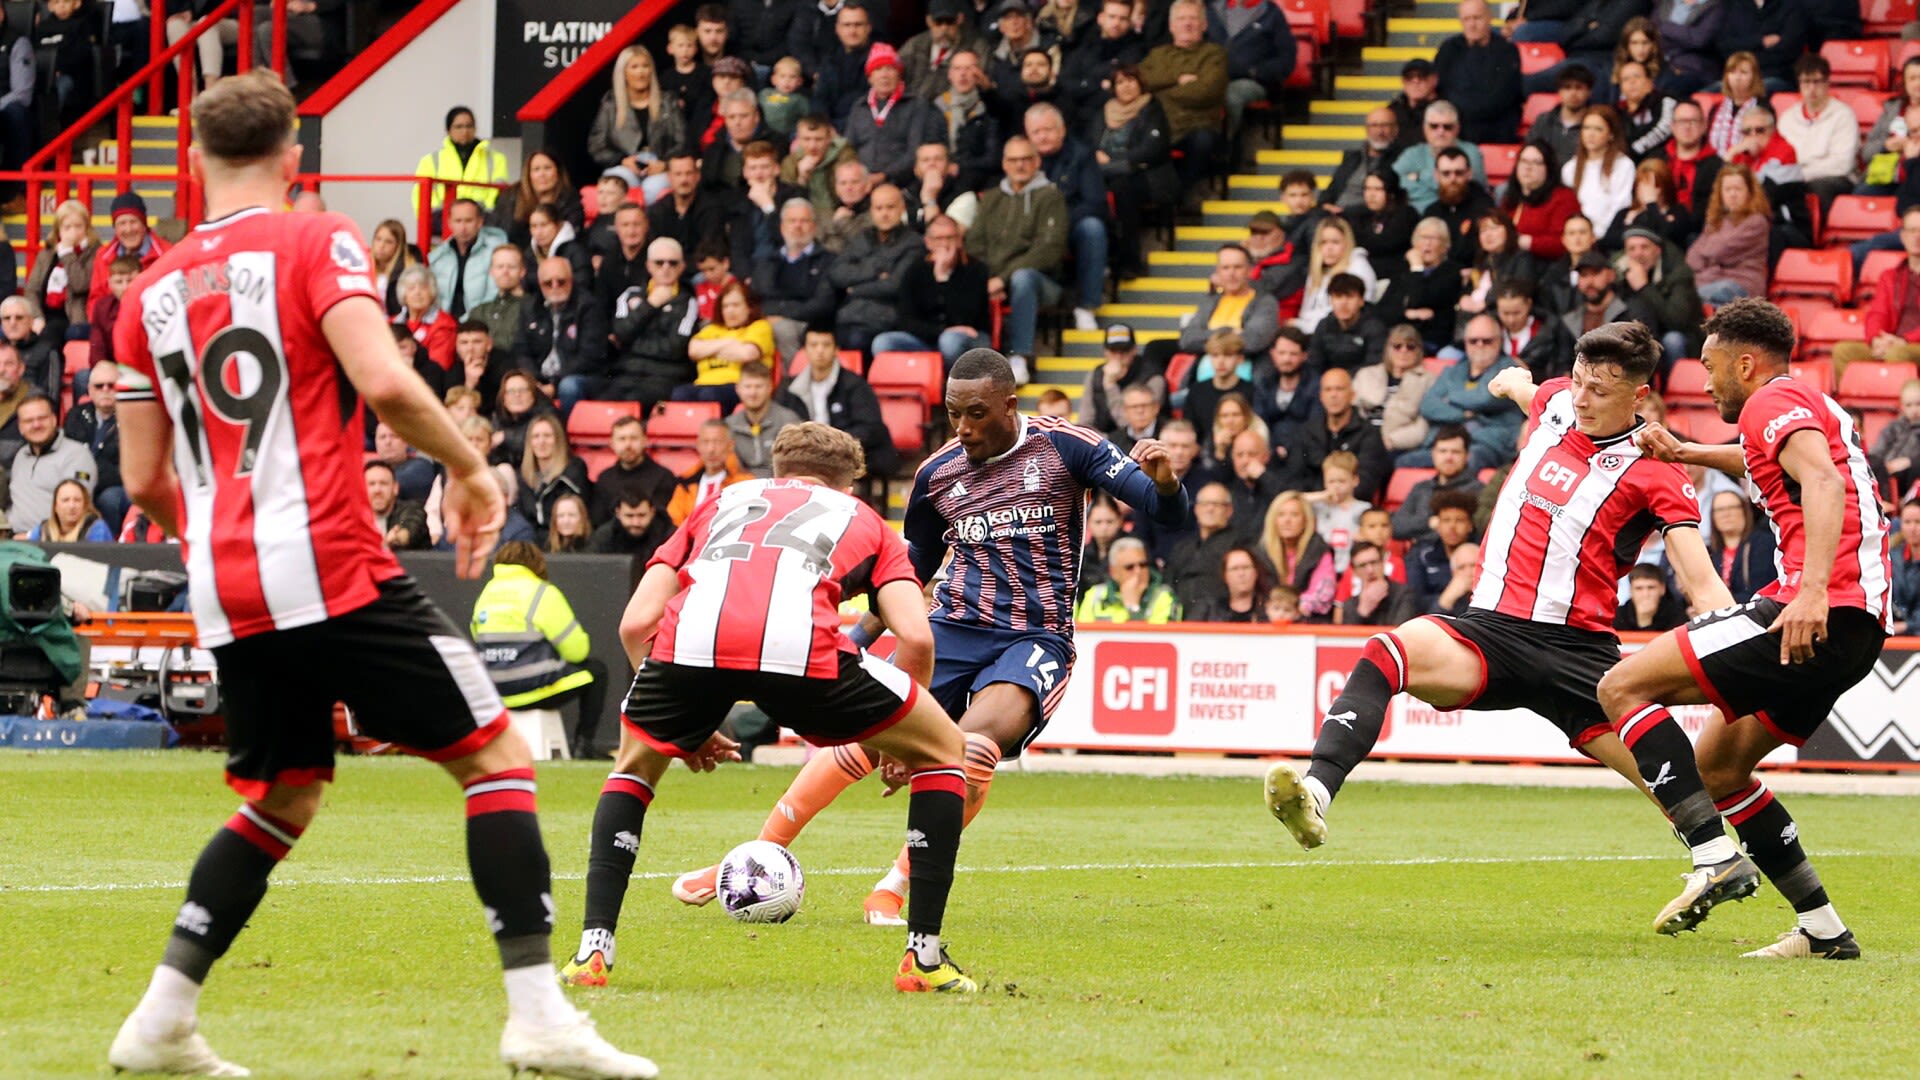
{"x":1055,"y":868}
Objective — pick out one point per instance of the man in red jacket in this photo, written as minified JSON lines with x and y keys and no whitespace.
{"x":1893,"y":321}
{"x":131,"y":236}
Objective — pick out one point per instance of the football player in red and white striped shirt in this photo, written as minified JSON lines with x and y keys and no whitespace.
{"x":1570,"y":521}
{"x":245,"y":352}
{"x":743,"y":604}
{"x":1775,"y":665}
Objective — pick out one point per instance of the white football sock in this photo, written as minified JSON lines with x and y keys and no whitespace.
{"x":591,"y":940}
{"x":1322,"y":798}
{"x":1717,"y":850}
{"x":926,"y":948}
{"x":169,"y":1003}
{"x":895,"y":882}
{"x":533,"y":996}
{"x":1822,"y":922}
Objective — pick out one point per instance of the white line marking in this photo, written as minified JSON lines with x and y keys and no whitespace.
{"x":855,"y":871}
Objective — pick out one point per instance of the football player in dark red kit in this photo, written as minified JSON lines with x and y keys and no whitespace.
{"x":1571,"y":519}
{"x":743,"y":604}
{"x":246,"y":352}
{"x":1775,"y":665}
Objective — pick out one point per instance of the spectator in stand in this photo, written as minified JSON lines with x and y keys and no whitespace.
{"x":795,"y":291}
{"x":1055,"y":403}
{"x":834,"y":395}
{"x":754,"y":229}
{"x":131,"y":236}
{"x":1418,"y":165}
{"x":1350,"y":336}
{"x":562,"y":336}
{"x":710,"y":29}
{"x":1383,"y":226}
{"x":782,"y":102}
{"x":62,"y":274}
{"x":536,"y":650}
{"x":1743,"y":554}
{"x":501,"y":315}
{"x":721,"y":163}
{"x":66,"y":48}
{"x":431,"y":328}
{"x":1334,"y":254}
{"x":1694,"y":164}
{"x":943,"y":299}
{"x":1458,"y":204}
{"x":1133,"y":593}
{"x":690,"y":213}
{"x":1560,"y":128}
{"x":73,"y":519}
{"x":1497,"y":259}
{"x":1729,"y":260}
{"x":888,"y":125}
{"x":46,"y":366}
{"x":1092,"y":60}
{"x":1451,"y":447}
{"x":1337,"y":510}
{"x":1892,"y":140}
{"x":1274,"y":267}
{"x":1539,"y":342}
{"x":1020,"y":233}
{"x":1135,"y":159}
{"x":1600,"y":302}
{"x":1389,"y":391}
{"x":1067,"y":21}
{"x":636,"y":529}
{"x":872,"y":269}
{"x":1906,"y":569}
{"x":390,"y":253}
{"x":46,"y":458}
{"x":19,"y":111}
{"x":460,"y":263}
{"x":1193,"y":566}
{"x":463,"y":156}
{"x":1260,"y":54}
{"x":852,"y":189}
{"x":1300,"y":559}
{"x":1435,"y":576}
{"x":520,"y":402}
{"x":1188,"y":76}
{"x":1104,"y":521}
{"x":14,"y":391}
{"x":1559,"y":290}
{"x":1427,"y":295}
{"x":925,"y":56}
{"x":1480,"y":75}
{"x":651,"y":329}
{"x":1537,"y":202}
{"x":1234,"y":304}
{"x":1741,"y":88}
{"x":1419,"y":88}
{"x":1334,"y":426}
{"x":633,"y":475}
{"x":626,"y":266}
{"x":935,"y":185}
{"x":94,"y":424}
{"x":1775,"y":33}
{"x":1777,"y":166}
{"x":1232,"y":416}
{"x":1017,"y":35}
{"x":687,"y":82}
{"x":1539,"y":20}
{"x":1376,"y":599}
{"x":758,"y":420}
{"x":1460,"y":396}
{"x":1221,"y":371}
{"x":1072,"y":167}
{"x":543,"y":182}
{"x":1253,"y":484}
{"x":553,"y":236}
{"x":1244,"y":581}
{"x":1895,"y":457}
{"x":548,"y":470}
{"x":412,"y":474}
{"x":1346,"y":191}
{"x":1823,"y":131}
{"x":1689,"y":34}
{"x":1659,"y":291}
{"x":1286,"y":388}
{"x":1650,"y":606}
{"x":1646,"y":112}
{"x":972,"y":130}
{"x":761,"y":31}
{"x":1589,"y":38}
{"x":480,"y":369}
{"x":1183,"y":454}
{"x":738,"y":335}
{"x":569,"y":530}
{"x":706,"y":478}
{"x":1655,"y":208}
{"x":1893,"y":319}
{"x":1600,"y":173}
{"x":840,"y":70}
{"x":1101,"y":398}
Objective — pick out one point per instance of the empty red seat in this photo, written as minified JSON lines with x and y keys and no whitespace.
{"x":78,"y":355}
{"x":1538,"y":56}
{"x":1177,"y":370}
{"x":1538,"y":105}
{"x":1815,"y":373}
{"x":1498,"y":158}
{"x":1826,"y":328}
{"x":1349,"y":18}
{"x":596,"y":459}
{"x":1402,"y":484}
{"x":1870,"y":385}
{"x":1857,"y":63}
{"x":1872,"y":424}
{"x":1824,"y":272}
{"x":906,"y":421}
{"x":1886,"y":18}
{"x":1858,"y":217}
{"x":1877,"y":264}
{"x":1306,"y":57}
{"x":1702,"y":425}
{"x":678,"y":460}
{"x":591,"y":422}
{"x":677,"y":423}
{"x":1687,"y":385}
{"x":917,"y":375}
{"x":1310,"y":19}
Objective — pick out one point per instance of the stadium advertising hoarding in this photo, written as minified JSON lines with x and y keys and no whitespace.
{"x":1264,"y":691}
{"x":533,"y":40}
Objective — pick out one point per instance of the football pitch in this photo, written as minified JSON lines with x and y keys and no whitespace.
{"x":1119,"y":926}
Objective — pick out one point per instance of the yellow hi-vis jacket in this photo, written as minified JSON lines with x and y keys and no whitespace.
{"x":528,"y":637}
{"x":483,"y":167}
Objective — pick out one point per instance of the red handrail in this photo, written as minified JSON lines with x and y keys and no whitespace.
{"x":374,"y":57}
{"x":598,"y":57}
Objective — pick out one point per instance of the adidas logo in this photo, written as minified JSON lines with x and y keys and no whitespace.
{"x":960,"y":489}
{"x":626,"y":842}
{"x":916,"y":838}
{"x":193,"y":918}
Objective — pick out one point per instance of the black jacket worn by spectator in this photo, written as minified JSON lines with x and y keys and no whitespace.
{"x":871,"y":272}
{"x":45,"y":362}
{"x":1429,"y":571}
{"x":512,"y":430}
{"x":1351,"y":173}
{"x":1203,"y":397}
{"x":611,"y":538}
{"x":519,"y":233}
{"x":1597,"y":26}
{"x":974,"y":146}
{"x":1483,"y":83}
{"x":812,"y":39}
{"x":1437,"y":289}
{"x":756,"y":232}
{"x":693,"y":92}
{"x":1459,"y":219}
{"x":720,"y":163}
{"x":1250,"y":497}
{"x":1349,"y":348}
{"x":853,"y":408}
{"x":1284,"y":421}
{"x":1357,"y":437}
{"x":1090,"y":64}
{"x":1548,"y":353}
{"x":1385,"y":237}
{"x":575,"y":334}
{"x":840,"y":81}
{"x":711,"y":215}
{"x":1410,"y":519}
{"x":887,"y":146}
{"x":1193,"y":569}
{"x":84,"y":426}
{"x":1263,"y":50}
{"x":1148,"y":150}
{"x":759,"y":31}
{"x":796,"y":289}
{"x":927,"y":306}
{"x":1671,"y":223}
{"x":1672,"y":612}
{"x":1075,"y":171}
{"x":1394,"y":608}
{"x":536,"y":503}
{"x":648,"y":479}
{"x":618,"y":274}
{"x":1748,"y":25}
{"x":652,"y":341}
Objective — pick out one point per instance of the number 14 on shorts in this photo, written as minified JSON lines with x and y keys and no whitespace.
{"x":1043,"y":668}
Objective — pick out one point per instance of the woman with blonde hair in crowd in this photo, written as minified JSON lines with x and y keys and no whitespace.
{"x":1300,"y":558}
{"x":570,"y":528}
{"x":639,"y":124}
{"x":73,"y":519}
{"x":62,"y":272}
{"x":548,"y":470}
{"x":1233,"y":415}
{"x":1334,"y":252}
{"x":390,"y":253}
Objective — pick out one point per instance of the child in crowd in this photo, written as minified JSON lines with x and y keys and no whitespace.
{"x":1337,"y":513}
{"x":782,"y":104}
{"x":686,"y":78}
{"x":1283,"y":605}
{"x":716,"y":273}
{"x":106,"y":310}
{"x":609,"y":192}
{"x":1376,"y":528}
{"x":1054,"y":402}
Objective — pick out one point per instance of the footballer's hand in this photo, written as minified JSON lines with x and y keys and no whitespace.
{"x":1658,"y":443}
{"x":716,"y":751}
{"x":1510,"y":382}
{"x":894,"y":775}
{"x":1155,"y":462}
{"x":1802,"y":624}
{"x":474,"y":511}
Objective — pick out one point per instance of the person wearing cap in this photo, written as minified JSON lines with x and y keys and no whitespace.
{"x":1657,"y":284}
{"x":1480,"y":74}
{"x":131,"y":236}
{"x":1087,"y":69}
{"x":889,"y":124}
{"x":463,"y":155}
{"x":1017,"y":33}
{"x":1599,"y":302}
{"x":924,"y":58}
{"x":1260,"y":53}
{"x":1419,"y":88}
{"x":1346,"y":192}
{"x":1272,"y":255}
{"x":1188,"y":76}
{"x":943,"y":299}
{"x":1102,"y":399}
{"x":1417,"y":163}
{"x":1560,"y":128}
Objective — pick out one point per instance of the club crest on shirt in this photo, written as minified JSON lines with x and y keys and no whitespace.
{"x":1608,"y":462}
{"x":1030,"y":477}
{"x":347,"y":253}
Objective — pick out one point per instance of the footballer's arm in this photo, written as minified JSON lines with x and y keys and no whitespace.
{"x":1699,"y":581}
{"x":1660,"y":444}
{"x":1516,"y":385}
{"x":1823,"y":503}
{"x":146,"y":462}
{"x":646,"y":608}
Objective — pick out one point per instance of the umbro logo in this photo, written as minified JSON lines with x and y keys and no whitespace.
{"x":626,"y":842}
{"x":1344,"y":719}
{"x":193,"y":918}
{"x":212,"y":242}
{"x":1666,"y":776}
{"x":916,"y":838}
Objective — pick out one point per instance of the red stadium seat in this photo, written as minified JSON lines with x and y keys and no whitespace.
{"x":1498,"y":158}
{"x":678,"y":460}
{"x":1827,"y":328}
{"x":1687,"y":385}
{"x":1702,"y":425}
{"x":1824,"y":272}
{"x":1857,"y":63}
{"x":1877,"y":264}
{"x":1306,"y":60}
{"x":596,"y":459}
{"x":1815,"y":373}
{"x":78,"y":355}
{"x":1904,"y":52}
{"x":1401,"y":486}
{"x":1858,"y":217}
{"x":851,"y":359}
{"x":1874,"y":386}
{"x":1707,"y":100}
{"x":591,"y":422}
{"x":1177,"y":370}
{"x":1867,"y":105}
{"x":1538,"y":105}
{"x":1349,"y":18}
{"x":589,"y":202}
{"x":1538,"y":56}
{"x":919,"y":376}
{"x":677,"y":423}
{"x":1310,"y":19}
{"x":1436,"y":364}
{"x":906,"y":423}
{"x":1886,"y":18}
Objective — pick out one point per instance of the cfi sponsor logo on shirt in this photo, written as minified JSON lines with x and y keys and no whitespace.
{"x":1772,"y":430}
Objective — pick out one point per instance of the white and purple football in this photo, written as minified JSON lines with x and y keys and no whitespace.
{"x":760,"y":882}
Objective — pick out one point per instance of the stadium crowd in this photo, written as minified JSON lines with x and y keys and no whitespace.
{"x":794,"y":188}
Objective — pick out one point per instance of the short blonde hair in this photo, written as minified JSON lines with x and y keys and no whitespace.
{"x":811,"y":448}
{"x":468,"y":394}
{"x":1225,"y":340}
{"x":71,"y":210}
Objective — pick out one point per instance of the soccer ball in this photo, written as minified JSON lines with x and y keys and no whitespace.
{"x":760,"y":882}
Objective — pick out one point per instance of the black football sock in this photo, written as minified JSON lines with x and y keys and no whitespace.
{"x":617,"y":820}
{"x":509,"y":866}
{"x":228,"y":881}
{"x":1665,"y":757}
{"x":1352,"y":725}
{"x":935,"y":807}
{"x":1773,"y":841}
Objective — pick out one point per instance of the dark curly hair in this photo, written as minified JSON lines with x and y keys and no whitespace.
{"x":1756,"y":325}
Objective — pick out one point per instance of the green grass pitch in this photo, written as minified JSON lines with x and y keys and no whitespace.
{"x":1120,"y":926}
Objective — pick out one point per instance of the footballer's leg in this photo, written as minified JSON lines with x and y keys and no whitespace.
{"x":614,"y":845}
{"x":1727,"y":755}
{"x":1419,"y":657}
{"x":1631,"y":694}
